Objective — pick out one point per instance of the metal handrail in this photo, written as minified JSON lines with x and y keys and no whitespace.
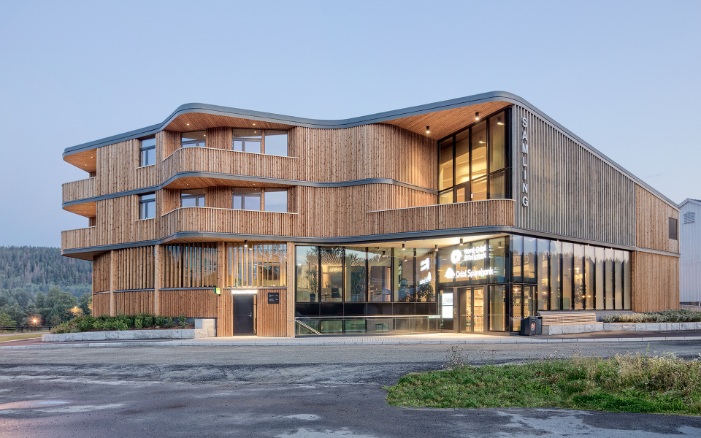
{"x":307,"y":327}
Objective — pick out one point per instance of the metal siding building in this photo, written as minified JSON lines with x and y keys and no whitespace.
{"x":690,"y":248}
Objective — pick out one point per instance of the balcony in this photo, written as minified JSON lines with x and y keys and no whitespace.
{"x":227,"y":162}
{"x":80,"y":238}
{"x":221,"y":220}
{"x":493,"y":212}
{"x":77,"y":190}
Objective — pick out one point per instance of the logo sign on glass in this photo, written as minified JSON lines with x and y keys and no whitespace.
{"x":468,"y":255}
{"x":425,"y":271}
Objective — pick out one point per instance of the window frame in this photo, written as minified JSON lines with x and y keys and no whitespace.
{"x":195,"y":143}
{"x":235,"y":138}
{"x":147,"y":150}
{"x":143,"y":206}
{"x":196,"y":194}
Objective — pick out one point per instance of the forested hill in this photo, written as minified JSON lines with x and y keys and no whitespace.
{"x":37,"y":269}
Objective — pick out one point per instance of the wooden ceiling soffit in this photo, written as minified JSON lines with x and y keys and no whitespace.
{"x":86,"y":160}
{"x":87,"y":209}
{"x":199,"y":121}
{"x":446,"y":122}
{"x":199,"y":182}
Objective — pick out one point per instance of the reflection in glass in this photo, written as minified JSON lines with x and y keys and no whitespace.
{"x":275,"y":142}
{"x":246,"y":199}
{"x":331,"y":274}
{"x":192,"y":198}
{"x":555,"y":291}
{"x":543,"y":293}
{"x":462,"y":157}
{"x":497,"y":186}
{"x":380,"y":278}
{"x":307,"y":287}
{"x":258,"y":265}
{"x":497,"y":308}
{"x":445,"y":170}
{"x":589,"y":284}
{"x":579,"y":294}
{"x":618,"y":279}
{"x":247,"y":140}
{"x":529,"y":254}
{"x":626,"y":280}
{"x":193,"y":139}
{"x":404,"y":276}
{"x":567,"y":275}
{"x":517,"y":258}
{"x":479,"y":151}
{"x":599,"y":280}
{"x":276,"y":200}
{"x":479,"y":189}
{"x":608,"y":278}
{"x":497,"y":139}
{"x":446,"y":197}
{"x":497,"y":258}
{"x":355,"y":286}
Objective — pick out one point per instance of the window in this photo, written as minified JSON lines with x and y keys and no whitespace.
{"x":192,"y":198}
{"x":258,"y":265}
{"x":147,"y":206}
{"x":473,"y":163}
{"x":147,"y":151}
{"x":673,"y":228}
{"x":260,"y":141}
{"x":193,"y":139}
{"x":262,"y":200}
{"x":192,"y":265}
{"x":275,"y":200}
{"x":247,"y":199}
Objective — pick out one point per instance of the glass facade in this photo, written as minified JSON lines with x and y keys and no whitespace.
{"x":484,"y":285}
{"x":473,"y":162}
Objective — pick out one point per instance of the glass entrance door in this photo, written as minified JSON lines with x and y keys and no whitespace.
{"x":471,"y":310}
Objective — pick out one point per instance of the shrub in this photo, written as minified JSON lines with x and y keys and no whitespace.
{"x":663,"y":316}
{"x":121,"y":322}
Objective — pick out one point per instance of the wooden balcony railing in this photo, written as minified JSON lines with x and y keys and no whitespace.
{"x":494,"y":212}
{"x":221,"y":220}
{"x":227,"y":162}
{"x":76,"y":190}
{"x":80,"y":238}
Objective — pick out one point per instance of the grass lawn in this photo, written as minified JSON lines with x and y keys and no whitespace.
{"x":663,"y":384}
{"x":19,"y":336}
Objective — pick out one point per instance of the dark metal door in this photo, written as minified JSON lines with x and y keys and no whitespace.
{"x":244,"y":309}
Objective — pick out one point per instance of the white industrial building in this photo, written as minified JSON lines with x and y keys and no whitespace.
{"x":690,"y":249}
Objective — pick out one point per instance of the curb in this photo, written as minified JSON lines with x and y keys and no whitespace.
{"x":337,"y":342}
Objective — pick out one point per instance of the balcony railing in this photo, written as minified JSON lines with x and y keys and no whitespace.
{"x":76,"y":190}
{"x":226,"y":161}
{"x":221,"y":220}
{"x":80,"y":238}
{"x":493,"y":212}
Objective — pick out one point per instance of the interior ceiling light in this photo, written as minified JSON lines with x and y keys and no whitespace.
{"x":499,"y":122}
{"x":435,"y":248}
{"x":403,"y":246}
{"x":428,"y":129}
{"x":245,"y":243}
{"x":477,"y":115}
{"x":461,"y":242}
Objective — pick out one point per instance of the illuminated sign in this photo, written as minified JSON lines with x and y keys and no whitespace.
{"x":469,"y":254}
{"x":425,"y":266}
{"x":468,"y":273}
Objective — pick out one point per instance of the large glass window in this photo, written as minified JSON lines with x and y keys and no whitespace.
{"x":589,"y":282}
{"x":193,"y":139}
{"x":555,"y":290}
{"x":517,"y":258}
{"x":147,"y":151}
{"x":404,"y":284}
{"x":567,"y":274}
{"x":356,"y":275}
{"x":497,"y":308}
{"x":599,"y":279}
{"x":192,"y":198}
{"x":191,"y":265}
{"x":473,"y":163}
{"x":578,"y":273}
{"x":257,"y":265}
{"x":307,"y":266}
{"x":147,"y":206}
{"x":260,"y":141}
{"x":331,"y":274}
{"x":529,"y":255}
{"x":247,"y":199}
{"x":380,"y":275}
{"x":497,"y":258}
{"x":543,"y":293}
{"x":609,"y":278}
{"x":618,"y":280}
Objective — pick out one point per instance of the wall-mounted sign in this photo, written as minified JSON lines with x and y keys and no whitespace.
{"x":425,"y":271}
{"x":469,"y":254}
{"x":524,"y":161}
{"x":468,"y":273}
{"x":273,"y":297}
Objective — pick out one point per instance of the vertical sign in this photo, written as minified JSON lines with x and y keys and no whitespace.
{"x":524,"y":161}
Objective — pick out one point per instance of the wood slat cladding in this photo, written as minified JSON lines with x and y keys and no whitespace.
{"x":135,"y":268}
{"x":655,"y":282}
{"x":572,"y":192}
{"x":101,"y":273}
{"x":494,"y":212}
{"x":80,"y":238}
{"x":371,"y":151}
{"x":118,"y":169}
{"x":444,"y":123}
{"x":167,"y":200}
{"x":219,"y":138}
{"x":101,"y":304}
{"x":118,"y":222}
{"x":199,"y":121}
{"x":225,"y":314}
{"x":81,"y":189}
{"x":195,"y":303}
{"x":167,"y":142}
{"x":133,"y":302}
{"x":218,"y":197}
{"x":227,"y":161}
{"x":271,"y":318}
{"x":219,"y":220}
{"x":652,"y":222}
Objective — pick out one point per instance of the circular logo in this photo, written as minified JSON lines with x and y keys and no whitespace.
{"x":456,"y":256}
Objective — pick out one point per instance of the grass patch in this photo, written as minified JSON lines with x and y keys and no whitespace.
{"x":661,"y":384}
{"x":20,"y":336}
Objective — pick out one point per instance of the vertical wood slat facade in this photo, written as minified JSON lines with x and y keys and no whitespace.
{"x":652,"y":224}
{"x":656,"y":282}
{"x":271,"y":318}
{"x":572,"y":192}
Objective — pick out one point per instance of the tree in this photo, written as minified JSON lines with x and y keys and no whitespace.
{"x":85,"y":303}
{"x":6,"y":320}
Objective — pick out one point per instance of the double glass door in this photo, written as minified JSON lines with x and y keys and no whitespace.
{"x":522,"y":304}
{"x":463,"y":309}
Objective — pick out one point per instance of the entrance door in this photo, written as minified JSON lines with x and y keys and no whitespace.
{"x":471,"y":310}
{"x":522,"y":304}
{"x":244,"y":314}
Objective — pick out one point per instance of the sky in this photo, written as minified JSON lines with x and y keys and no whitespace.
{"x":623,"y":76}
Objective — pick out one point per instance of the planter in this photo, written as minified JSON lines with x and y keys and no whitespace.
{"x":651,"y":326}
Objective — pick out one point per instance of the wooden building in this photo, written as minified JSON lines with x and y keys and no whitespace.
{"x":462,"y":215}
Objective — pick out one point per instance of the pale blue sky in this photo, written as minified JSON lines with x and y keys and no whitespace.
{"x":623,"y":75}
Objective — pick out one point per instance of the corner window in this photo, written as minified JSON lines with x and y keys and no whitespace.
{"x":192,"y":198}
{"x":262,"y":200}
{"x":673,"y":228}
{"x":193,"y":139}
{"x":147,"y":206}
{"x":260,"y":141}
{"x":147,"y":151}
{"x":473,"y":162}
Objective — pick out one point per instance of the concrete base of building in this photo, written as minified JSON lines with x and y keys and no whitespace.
{"x":652,"y":327}
{"x":128,"y":335}
{"x":572,"y":329}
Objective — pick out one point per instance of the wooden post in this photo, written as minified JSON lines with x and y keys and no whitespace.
{"x":156,"y":279}
{"x":113,"y":281}
{"x":291,"y":271}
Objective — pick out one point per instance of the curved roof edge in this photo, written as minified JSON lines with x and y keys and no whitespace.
{"x":491,"y":96}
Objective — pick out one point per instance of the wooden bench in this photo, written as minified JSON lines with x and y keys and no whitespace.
{"x":568,"y":318}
